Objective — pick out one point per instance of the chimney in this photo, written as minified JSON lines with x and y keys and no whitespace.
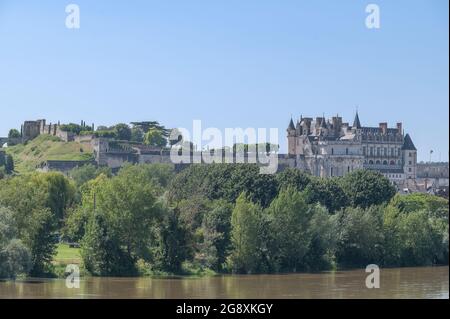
{"x":383,"y":127}
{"x":399,"y":128}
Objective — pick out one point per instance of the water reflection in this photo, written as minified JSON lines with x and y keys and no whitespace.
{"x":424,"y":282}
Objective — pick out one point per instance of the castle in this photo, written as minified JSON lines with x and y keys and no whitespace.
{"x":328,"y":148}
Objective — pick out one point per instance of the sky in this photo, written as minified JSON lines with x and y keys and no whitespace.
{"x":233,"y":63}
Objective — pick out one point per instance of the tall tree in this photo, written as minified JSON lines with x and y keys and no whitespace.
{"x":41,"y":238}
{"x":101,"y":251}
{"x":290,"y":219}
{"x":359,"y":236}
{"x":216,"y":226}
{"x":246,"y":242}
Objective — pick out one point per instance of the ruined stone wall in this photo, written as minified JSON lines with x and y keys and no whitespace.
{"x":62,"y":165}
{"x":432,"y":170}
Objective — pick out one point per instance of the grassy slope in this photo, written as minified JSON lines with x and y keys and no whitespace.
{"x":66,"y":255}
{"x":45,"y":147}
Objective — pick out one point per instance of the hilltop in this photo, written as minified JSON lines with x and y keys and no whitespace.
{"x":28,"y":156}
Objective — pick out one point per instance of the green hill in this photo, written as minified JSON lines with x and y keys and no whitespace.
{"x":46,"y":147}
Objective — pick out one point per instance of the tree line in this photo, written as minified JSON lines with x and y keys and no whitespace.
{"x":222,"y":218}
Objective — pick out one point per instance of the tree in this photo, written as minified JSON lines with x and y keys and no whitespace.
{"x":224,"y":181}
{"x":41,"y":239}
{"x":137,"y":134}
{"x":88,"y":172}
{"x":216,"y":226}
{"x":437,"y":206}
{"x":290,"y":222}
{"x":15,"y":258}
{"x":155,"y":137}
{"x":293,"y":177}
{"x":174,"y":243}
{"x":246,"y":222}
{"x":365,"y":188}
{"x":13,"y":133}
{"x":327,"y":192}
{"x":322,"y":244}
{"x":130,"y":206}
{"x":59,"y":190}
{"x":123,"y":131}
{"x":79,"y":216}
{"x":359,"y":236}
{"x":101,"y":251}
{"x":39,"y":201}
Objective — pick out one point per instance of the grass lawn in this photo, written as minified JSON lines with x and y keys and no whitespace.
{"x":66,"y":255}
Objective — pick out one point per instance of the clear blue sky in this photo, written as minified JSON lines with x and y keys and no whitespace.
{"x":230,"y":63}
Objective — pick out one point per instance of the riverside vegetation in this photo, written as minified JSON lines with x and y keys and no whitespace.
{"x":218,"y":218}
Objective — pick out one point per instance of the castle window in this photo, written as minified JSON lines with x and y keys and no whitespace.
{"x":392,"y":162}
{"x":332,"y":151}
{"x":410,"y":163}
{"x":364,"y":150}
{"x":348,"y":169}
{"x":409,"y":169}
{"x":346,"y":151}
{"x":392,"y":151}
{"x":378,"y":151}
{"x":378,"y":162}
{"x":371,"y":162}
{"x":385,"y":162}
{"x":331,"y":172}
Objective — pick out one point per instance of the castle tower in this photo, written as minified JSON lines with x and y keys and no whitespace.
{"x":409,"y":158}
{"x":291,"y":136}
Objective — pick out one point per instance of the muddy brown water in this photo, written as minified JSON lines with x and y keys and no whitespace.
{"x":422,"y":282}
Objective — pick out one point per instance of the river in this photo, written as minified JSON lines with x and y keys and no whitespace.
{"x":422,"y":282}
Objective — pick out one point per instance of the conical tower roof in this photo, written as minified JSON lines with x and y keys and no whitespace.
{"x":291,"y":125}
{"x":408,"y":144}
{"x":356,"y":122}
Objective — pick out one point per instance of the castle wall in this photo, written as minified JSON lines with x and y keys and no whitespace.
{"x":62,"y":166}
{"x":432,"y":170}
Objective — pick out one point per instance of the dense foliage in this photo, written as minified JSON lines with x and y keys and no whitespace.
{"x":150,"y":219}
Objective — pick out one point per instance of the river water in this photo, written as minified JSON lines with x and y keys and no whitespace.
{"x":422,"y":282}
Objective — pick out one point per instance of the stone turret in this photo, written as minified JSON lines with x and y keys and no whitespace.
{"x":409,"y":158}
{"x":291,"y":135}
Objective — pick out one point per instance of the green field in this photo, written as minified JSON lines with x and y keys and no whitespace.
{"x":46,"y":147}
{"x":66,"y":255}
